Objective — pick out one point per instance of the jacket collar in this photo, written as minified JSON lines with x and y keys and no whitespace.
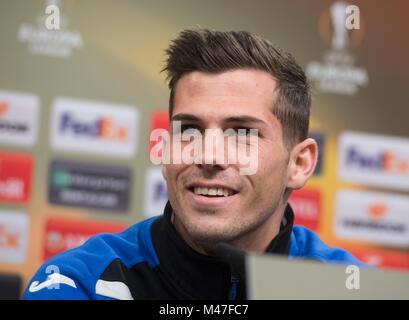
{"x":192,"y":275}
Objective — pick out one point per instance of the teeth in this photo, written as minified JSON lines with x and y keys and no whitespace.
{"x":213,"y":191}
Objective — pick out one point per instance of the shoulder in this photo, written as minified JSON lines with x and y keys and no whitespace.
{"x":73,"y":274}
{"x":307,"y":244}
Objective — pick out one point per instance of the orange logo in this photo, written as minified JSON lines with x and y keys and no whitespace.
{"x":8,"y":240}
{"x":111,"y":131}
{"x":4,"y":106}
{"x":377,"y":210}
{"x":392,"y":163}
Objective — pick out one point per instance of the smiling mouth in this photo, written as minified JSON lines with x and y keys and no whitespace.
{"x":212,"y":192}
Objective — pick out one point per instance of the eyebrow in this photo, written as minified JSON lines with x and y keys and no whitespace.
{"x":184,"y":116}
{"x":242,"y":119}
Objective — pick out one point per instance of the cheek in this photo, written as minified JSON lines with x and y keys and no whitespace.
{"x":269,"y":183}
{"x":170,"y":171}
{"x":170,"y":174}
{"x":173,"y":175}
{"x":272,"y":167}
{"x":270,"y":156}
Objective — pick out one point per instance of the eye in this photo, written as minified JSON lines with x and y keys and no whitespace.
{"x":244,"y":131}
{"x":189,"y":129}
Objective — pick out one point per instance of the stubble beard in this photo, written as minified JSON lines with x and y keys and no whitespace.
{"x":234,"y":231}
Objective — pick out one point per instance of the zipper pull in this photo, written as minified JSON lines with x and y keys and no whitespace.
{"x":234,"y":281}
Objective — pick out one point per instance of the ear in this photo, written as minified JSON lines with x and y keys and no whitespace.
{"x":165,"y":152}
{"x":164,"y":171}
{"x":303,"y":159}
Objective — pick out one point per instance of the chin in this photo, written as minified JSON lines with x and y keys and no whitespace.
{"x":210,"y":238}
{"x":212,"y":232}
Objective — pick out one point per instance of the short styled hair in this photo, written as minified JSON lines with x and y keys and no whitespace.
{"x":219,"y":51}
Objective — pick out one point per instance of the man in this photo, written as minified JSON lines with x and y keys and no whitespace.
{"x":218,"y":81}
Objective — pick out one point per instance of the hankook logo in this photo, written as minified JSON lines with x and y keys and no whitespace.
{"x":18,"y":118}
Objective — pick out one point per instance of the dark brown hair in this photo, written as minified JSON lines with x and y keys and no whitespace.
{"x":216,"y":51}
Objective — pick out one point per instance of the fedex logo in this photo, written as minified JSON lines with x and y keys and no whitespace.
{"x":374,"y":160}
{"x":387,"y":161}
{"x":94,"y":127}
{"x":104,"y":128}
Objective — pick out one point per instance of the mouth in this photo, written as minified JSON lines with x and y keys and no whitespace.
{"x":215,"y":191}
{"x":215,"y":196}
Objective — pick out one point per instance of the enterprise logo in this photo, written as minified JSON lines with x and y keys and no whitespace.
{"x":94,"y":127}
{"x":375,"y":160}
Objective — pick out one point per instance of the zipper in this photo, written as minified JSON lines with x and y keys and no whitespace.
{"x":234,"y":282}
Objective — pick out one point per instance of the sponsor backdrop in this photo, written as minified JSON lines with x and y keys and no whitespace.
{"x":77,"y":105}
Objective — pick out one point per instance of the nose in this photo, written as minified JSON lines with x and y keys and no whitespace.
{"x":214,"y":155}
{"x":212,"y":167}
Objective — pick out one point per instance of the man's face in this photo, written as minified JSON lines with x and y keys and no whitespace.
{"x":233,"y":99}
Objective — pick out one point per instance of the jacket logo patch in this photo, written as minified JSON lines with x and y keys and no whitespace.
{"x":53,"y":281}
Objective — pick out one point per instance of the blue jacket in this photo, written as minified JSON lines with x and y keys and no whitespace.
{"x":150,"y":260}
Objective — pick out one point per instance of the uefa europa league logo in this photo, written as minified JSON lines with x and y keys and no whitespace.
{"x":344,"y":17}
